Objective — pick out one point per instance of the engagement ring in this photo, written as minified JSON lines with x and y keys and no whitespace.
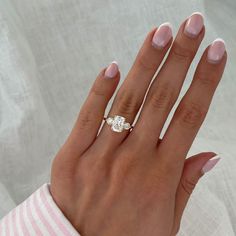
{"x":118,"y":123}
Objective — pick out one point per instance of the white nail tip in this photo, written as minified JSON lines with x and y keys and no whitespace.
{"x":114,"y":62}
{"x":197,"y":13}
{"x":166,"y":24}
{"x":210,"y":164}
{"x":215,"y":157}
{"x":219,"y":40}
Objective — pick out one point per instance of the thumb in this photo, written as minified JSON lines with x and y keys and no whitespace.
{"x":194,"y":168}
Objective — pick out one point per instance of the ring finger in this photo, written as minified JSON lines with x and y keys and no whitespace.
{"x":131,"y":93}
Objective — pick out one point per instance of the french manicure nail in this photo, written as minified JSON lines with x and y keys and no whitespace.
{"x":210,"y":164}
{"x":194,"y":25}
{"x":112,"y":70}
{"x":216,"y":51}
{"x":162,"y":35}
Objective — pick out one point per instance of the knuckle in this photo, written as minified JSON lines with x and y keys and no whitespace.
{"x":162,"y":98}
{"x":127,"y":104}
{"x":182,"y":53}
{"x":144,"y":63}
{"x":86,"y":119}
{"x":191,"y":115}
{"x":206,"y":78}
{"x":98,"y":91}
{"x":187,"y":185}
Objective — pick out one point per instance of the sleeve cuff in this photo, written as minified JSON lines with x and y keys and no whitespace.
{"x":37,"y":215}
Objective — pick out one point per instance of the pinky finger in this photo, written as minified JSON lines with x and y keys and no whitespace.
{"x":194,"y":168}
{"x":92,"y":112}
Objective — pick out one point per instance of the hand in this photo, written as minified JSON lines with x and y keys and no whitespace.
{"x":132,"y":183}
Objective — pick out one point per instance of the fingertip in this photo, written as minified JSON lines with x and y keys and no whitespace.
{"x":210,"y":164}
{"x":194,"y":164}
{"x":216,"y":51}
{"x":201,"y":156}
{"x":112,"y":70}
{"x":162,"y":36}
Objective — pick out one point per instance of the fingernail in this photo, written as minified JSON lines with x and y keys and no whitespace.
{"x":194,"y":25}
{"x":162,"y":35}
{"x":216,"y":51}
{"x":210,"y":164}
{"x":112,"y":70}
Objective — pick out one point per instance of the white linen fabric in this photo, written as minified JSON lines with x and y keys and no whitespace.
{"x":50,"y":54}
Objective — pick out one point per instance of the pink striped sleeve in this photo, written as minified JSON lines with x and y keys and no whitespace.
{"x":37,"y":215}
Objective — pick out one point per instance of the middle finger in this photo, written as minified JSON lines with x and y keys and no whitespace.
{"x":166,"y":87}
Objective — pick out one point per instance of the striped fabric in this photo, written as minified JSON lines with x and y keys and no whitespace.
{"x":38,"y":215}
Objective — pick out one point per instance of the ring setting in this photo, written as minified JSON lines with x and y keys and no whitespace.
{"x":118,"y":123}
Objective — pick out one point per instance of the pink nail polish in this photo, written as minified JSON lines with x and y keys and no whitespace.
{"x":216,"y":51}
{"x":210,"y":164}
{"x":194,"y":25}
{"x":162,"y":36}
{"x":112,"y":70}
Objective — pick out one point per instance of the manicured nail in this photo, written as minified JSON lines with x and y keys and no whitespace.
{"x":162,"y":35}
{"x":112,"y":70}
{"x":210,"y":164}
{"x":194,"y":25}
{"x":216,"y":51}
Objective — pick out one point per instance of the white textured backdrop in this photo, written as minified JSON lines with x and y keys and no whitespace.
{"x":50,"y":53}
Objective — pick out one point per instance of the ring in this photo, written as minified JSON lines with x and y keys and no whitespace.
{"x":118,"y":123}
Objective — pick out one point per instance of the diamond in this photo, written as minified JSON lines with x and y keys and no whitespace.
{"x":109,"y":121}
{"x":126,"y":126}
{"x":117,"y":124}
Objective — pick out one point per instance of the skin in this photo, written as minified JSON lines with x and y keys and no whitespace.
{"x":133,"y":183}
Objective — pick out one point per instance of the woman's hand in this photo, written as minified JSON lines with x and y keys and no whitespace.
{"x":133,"y":183}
